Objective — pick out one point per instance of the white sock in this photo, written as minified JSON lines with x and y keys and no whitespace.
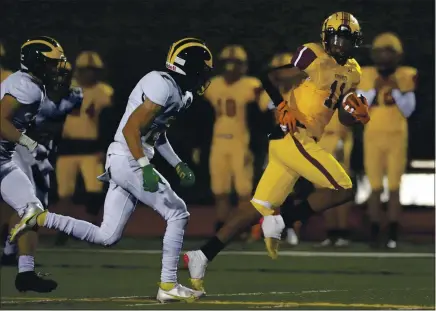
{"x":80,"y":229}
{"x":172,"y":246}
{"x":10,"y":248}
{"x":26,"y":263}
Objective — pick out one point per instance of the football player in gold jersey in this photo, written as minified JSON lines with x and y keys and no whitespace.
{"x":330,"y":73}
{"x":390,"y":92}
{"x":230,"y":156}
{"x":81,"y":149}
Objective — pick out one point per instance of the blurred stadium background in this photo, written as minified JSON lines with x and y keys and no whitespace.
{"x":132,"y":38}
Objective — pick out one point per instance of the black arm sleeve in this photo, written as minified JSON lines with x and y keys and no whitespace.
{"x":272,"y":91}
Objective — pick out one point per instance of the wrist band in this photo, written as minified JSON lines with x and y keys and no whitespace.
{"x":143,"y":161}
{"x":27,"y":142}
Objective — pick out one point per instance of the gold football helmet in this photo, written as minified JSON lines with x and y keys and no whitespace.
{"x":340,"y":35}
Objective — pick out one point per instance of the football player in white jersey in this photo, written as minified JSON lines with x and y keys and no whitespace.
{"x":21,"y":95}
{"x":61,"y":99}
{"x":153,"y":104}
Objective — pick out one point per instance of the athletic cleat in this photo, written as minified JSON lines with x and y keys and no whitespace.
{"x":272,"y":227}
{"x":31,"y":281}
{"x":196,"y":262}
{"x":340,"y":242}
{"x":178,"y":293}
{"x":292,"y":237}
{"x":326,"y":243}
{"x":391,"y":244}
{"x":9,"y":260}
{"x":27,"y":222}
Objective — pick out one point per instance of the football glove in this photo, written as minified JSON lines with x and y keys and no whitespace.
{"x":150,"y":179}
{"x":286,"y":119}
{"x":72,"y":101}
{"x":186,"y":175}
{"x":357,"y":106}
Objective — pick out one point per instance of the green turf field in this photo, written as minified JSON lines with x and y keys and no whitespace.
{"x":306,"y":278}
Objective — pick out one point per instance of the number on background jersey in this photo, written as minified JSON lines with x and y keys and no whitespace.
{"x":229,"y":109}
{"x":329,"y":101}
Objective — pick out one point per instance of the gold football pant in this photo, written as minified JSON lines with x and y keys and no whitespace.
{"x":290,"y":158}
{"x":67,"y":168}
{"x":231,"y":159}
{"x":385,"y":154}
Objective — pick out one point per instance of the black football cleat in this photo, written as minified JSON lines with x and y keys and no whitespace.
{"x":30,"y":281}
{"x":9,"y":260}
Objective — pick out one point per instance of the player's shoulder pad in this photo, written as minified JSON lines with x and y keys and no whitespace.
{"x":252,"y":82}
{"x":316,"y":48}
{"x":353,"y":62}
{"x":407,"y":71}
{"x":106,"y":88}
{"x":23,"y":88}
{"x":407,"y":78}
{"x":155,"y":87}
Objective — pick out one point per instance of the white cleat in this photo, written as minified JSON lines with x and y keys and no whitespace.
{"x":272,"y":227}
{"x":196,"y":262}
{"x":326,"y":243}
{"x":342,"y":242}
{"x":178,"y":293}
{"x":391,"y":244}
{"x":292,"y":237}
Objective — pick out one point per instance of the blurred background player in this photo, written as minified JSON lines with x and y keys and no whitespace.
{"x":230,"y":156}
{"x":82,"y":148}
{"x":389,"y":89}
{"x":338,"y":141}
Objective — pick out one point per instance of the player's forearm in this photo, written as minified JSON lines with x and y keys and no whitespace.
{"x":405,"y":102}
{"x":8,"y":131}
{"x":133,"y":139}
{"x":271,"y":90}
{"x":165,"y":149}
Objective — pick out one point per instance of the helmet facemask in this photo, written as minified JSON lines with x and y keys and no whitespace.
{"x":341,"y":43}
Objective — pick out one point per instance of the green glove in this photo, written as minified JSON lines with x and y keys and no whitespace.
{"x":150,"y":180}
{"x":186,"y":175}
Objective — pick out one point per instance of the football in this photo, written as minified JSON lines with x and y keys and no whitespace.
{"x":345,"y":117}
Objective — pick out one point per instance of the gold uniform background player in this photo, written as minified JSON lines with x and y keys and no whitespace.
{"x":390,"y":92}
{"x":230,"y":156}
{"x":338,"y":141}
{"x":328,"y":72}
{"x":82,"y":151}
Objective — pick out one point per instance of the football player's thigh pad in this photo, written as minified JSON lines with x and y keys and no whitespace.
{"x":276,"y":183}
{"x":118,"y":207}
{"x":127,"y":173}
{"x":16,"y":189}
{"x":315,"y":164}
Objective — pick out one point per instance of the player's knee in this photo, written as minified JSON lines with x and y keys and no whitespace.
{"x":108,"y":238}
{"x":179,"y":208}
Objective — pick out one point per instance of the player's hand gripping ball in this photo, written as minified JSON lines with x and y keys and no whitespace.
{"x":353,"y":109}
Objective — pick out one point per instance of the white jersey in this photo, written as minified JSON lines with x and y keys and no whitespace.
{"x":30,"y":94}
{"x":162,"y":90}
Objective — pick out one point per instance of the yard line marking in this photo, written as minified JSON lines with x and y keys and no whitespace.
{"x":288,"y":304}
{"x":251,"y":253}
